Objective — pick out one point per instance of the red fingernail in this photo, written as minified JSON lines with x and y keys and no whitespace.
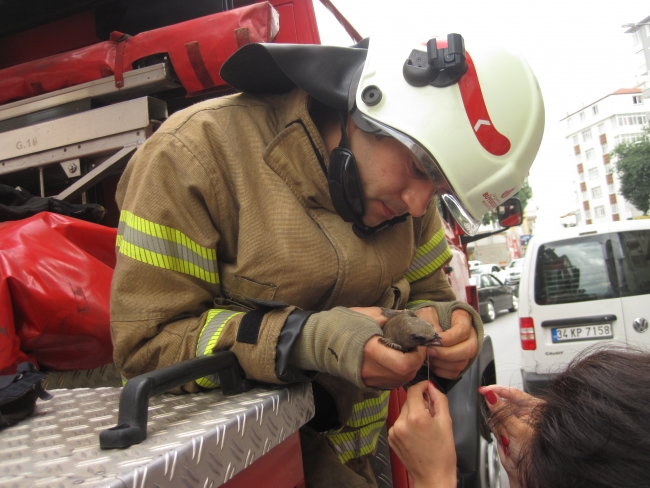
{"x":433,"y":384}
{"x":491,"y":397}
{"x":506,"y":451}
{"x":504,"y":441}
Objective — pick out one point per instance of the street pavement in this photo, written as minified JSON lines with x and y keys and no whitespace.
{"x":504,"y":332}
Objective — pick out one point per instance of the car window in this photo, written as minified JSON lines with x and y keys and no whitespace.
{"x":634,"y":262}
{"x":485,"y":281}
{"x":493,"y":281}
{"x":495,"y":269}
{"x":576,"y":270}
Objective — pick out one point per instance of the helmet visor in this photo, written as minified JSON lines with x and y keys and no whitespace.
{"x":467,"y":221}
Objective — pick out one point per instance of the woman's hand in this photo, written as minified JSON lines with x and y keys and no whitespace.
{"x":514,"y":432}
{"x":423,"y":439}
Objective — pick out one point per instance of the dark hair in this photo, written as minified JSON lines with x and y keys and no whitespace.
{"x":592,"y":428}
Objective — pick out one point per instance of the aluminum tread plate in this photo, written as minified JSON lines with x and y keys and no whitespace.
{"x":199,"y":440}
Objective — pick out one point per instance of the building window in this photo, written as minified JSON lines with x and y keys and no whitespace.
{"x":588,"y":216}
{"x":610,"y":188}
{"x":590,"y":154}
{"x":599,"y":211}
{"x":582,"y":116}
{"x":575,"y":140}
{"x":636,"y":37}
{"x":601,"y":128}
{"x":608,"y":169}
{"x":582,"y":177}
{"x":594,"y":109}
{"x":628,"y":138}
{"x":585,"y":196}
{"x":605,"y":148}
{"x":586,"y":135}
{"x":631,"y":119}
{"x":596,"y":192}
{"x":615,"y":208}
{"x":570,"y":122}
{"x":637,"y":100}
{"x":593,"y":173}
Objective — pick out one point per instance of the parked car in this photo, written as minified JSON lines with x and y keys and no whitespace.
{"x":493,"y":296}
{"x":513,"y":271}
{"x":474,"y":264}
{"x":581,"y":287}
{"x":493,"y":269}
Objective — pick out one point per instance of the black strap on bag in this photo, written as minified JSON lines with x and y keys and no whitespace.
{"x":18,"y":393}
{"x":16,"y":204}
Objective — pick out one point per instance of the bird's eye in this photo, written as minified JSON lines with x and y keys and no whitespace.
{"x":418,"y":338}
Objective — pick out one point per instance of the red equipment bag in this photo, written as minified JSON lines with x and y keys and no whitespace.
{"x":197,"y":48}
{"x":55,"y":278}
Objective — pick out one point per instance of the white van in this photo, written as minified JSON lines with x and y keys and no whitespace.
{"x":579,"y":287}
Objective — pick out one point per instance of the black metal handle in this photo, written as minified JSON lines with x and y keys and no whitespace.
{"x":131,"y":425}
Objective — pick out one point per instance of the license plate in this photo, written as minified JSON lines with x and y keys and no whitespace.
{"x":582,"y":333}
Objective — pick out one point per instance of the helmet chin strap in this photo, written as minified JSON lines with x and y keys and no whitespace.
{"x":345,"y":188}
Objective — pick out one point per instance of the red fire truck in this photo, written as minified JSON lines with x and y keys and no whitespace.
{"x":83,"y":83}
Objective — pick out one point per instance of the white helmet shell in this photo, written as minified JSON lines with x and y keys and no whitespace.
{"x":476,"y":138}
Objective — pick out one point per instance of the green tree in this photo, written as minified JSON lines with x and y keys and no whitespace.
{"x":633,"y":170}
{"x":524,"y":194}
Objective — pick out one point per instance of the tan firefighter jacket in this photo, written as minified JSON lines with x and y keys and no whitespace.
{"x":227,"y":202}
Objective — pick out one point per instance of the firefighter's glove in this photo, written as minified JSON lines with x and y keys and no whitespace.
{"x":333,"y":341}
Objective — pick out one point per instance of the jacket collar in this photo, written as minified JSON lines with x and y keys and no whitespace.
{"x":298,"y":153}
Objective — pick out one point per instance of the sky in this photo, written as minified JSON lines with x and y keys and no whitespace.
{"x":577,"y":49}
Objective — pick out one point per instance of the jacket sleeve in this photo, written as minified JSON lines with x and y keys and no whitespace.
{"x":166,"y":287}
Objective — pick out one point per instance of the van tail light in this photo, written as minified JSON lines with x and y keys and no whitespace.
{"x":527,"y":334}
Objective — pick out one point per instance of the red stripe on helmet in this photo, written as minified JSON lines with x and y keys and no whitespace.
{"x":470,"y":90}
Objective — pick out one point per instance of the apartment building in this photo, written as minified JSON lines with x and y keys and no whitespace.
{"x":591,"y":134}
{"x":641,"y":45}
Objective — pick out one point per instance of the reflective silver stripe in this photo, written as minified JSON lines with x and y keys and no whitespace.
{"x":351,"y":445}
{"x":164,"y":247}
{"x":368,"y":411}
{"x":208,"y":338}
{"x":368,"y":418}
{"x":429,"y":257}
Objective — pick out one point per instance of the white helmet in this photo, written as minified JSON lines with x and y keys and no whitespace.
{"x":474,"y":120}
{"x":476,"y":136}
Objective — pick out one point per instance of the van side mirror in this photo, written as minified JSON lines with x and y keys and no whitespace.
{"x":509,"y":213}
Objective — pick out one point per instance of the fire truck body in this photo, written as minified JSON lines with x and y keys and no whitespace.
{"x":75,"y":103}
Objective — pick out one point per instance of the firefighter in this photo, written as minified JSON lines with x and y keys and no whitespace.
{"x":274,"y":223}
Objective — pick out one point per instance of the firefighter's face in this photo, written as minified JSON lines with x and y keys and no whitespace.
{"x":393,"y":180}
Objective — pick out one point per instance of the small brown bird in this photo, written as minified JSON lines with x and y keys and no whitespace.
{"x":405,"y":331}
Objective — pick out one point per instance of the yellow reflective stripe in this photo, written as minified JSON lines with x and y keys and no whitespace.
{"x":167,"y":233}
{"x":429,"y":257}
{"x":368,"y":411}
{"x":164,"y":247}
{"x":381,"y":415}
{"x":215,"y":321}
{"x":350,"y":445}
{"x":368,"y":418}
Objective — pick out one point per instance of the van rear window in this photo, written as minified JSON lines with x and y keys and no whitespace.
{"x":593,"y":267}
